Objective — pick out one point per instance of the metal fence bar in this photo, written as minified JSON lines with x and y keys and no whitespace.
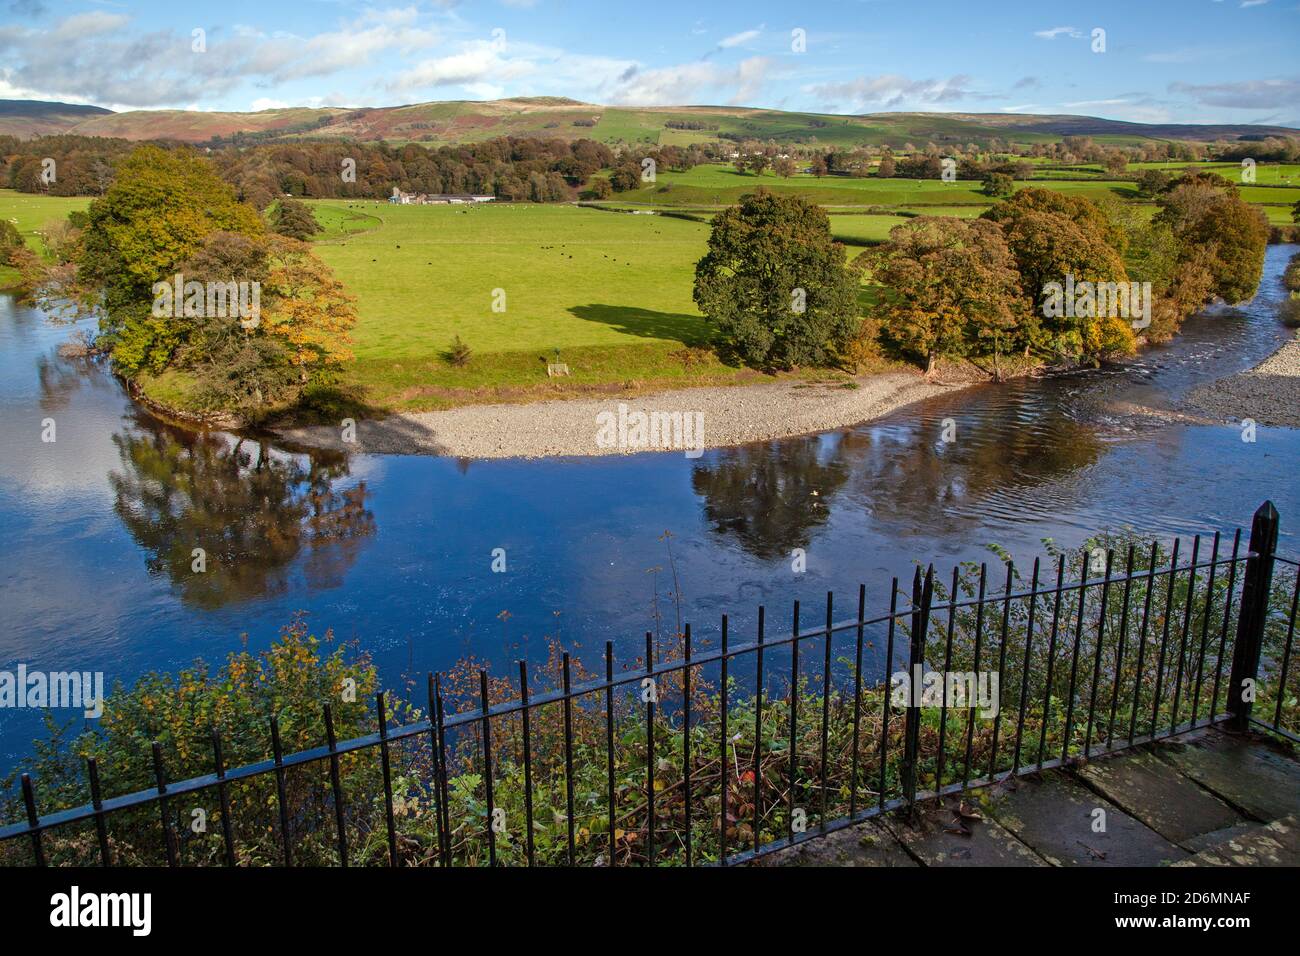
{"x":1254,"y":614}
{"x":1253,"y":618}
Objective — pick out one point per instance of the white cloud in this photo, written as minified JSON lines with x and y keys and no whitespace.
{"x":891,"y":90}
{"x":1246,"y":95}
{"x":267,"y":104}
{"x":478,"y":62}
{"x":97,"y":57}
{"x":82,"y":25}
{"x":740,"y":39}
{"x":1055,"y":32}
{"x":690,"y":83}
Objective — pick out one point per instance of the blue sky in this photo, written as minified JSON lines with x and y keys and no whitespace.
{"x":1192,"y":61}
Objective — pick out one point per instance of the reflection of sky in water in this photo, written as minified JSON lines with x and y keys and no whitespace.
{"x":1058,"y":458}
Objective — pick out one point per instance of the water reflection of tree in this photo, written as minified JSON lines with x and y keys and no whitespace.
{"x":59,"y":381}
{"x":904,"y":472}
{"x":252,"y":511}
{"x":770,"y":497}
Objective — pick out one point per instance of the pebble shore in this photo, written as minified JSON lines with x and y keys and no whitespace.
{"x":731,"y":415}
{"x":1268,"y":394}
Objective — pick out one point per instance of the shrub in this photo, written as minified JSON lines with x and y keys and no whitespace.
{"x":459,"y":353}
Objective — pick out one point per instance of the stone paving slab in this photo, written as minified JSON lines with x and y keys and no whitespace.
{"x":1155,"y":793}
{"x":1246,"y":770}
{"x":1208,"y":840}
{"x":1159,"y":811}
{"x":1273,"y":844}
{"x":1056,"y":815}
{"x":937,"y":840}
{"x":868,"y":844}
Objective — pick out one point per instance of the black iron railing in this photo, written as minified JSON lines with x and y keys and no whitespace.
{"x":719,"y":752}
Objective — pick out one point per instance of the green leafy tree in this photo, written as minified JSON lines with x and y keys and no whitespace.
{"x":1152,"y":182}
{"x":159,"y":210}
{"x":998,"y":185}
{"x":295,"y":219}
{"x":775,"y":284}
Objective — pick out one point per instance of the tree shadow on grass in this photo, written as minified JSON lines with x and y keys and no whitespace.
{"x":690,"y":330}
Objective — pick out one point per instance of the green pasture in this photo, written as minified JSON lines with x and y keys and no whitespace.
{"x":611,"y":291}
{"x":32,"y":213}
{"x":718,"y":185}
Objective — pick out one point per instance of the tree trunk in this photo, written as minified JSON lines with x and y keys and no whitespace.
{"x":930,"y":362}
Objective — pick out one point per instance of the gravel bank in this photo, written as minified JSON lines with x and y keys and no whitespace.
{"x":729,"y":415}
{"x":1269,"y":393}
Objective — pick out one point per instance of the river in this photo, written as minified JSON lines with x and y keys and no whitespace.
{"x":99,"y":526}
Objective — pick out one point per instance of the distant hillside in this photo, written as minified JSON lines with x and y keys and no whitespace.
{"x":28,"y":118}
{"x":460,"y":121}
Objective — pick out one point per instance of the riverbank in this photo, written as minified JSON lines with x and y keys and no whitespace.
{"x":729,"y":415}
{"x":1268,"y":394}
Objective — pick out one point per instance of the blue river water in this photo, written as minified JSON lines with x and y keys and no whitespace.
{"x":98,"y":527}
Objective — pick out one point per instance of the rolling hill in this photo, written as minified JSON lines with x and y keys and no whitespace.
{"x":28,"y":118}
{"x":458,"y":121}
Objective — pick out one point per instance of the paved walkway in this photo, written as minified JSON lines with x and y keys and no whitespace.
{"x":1208,"y":798}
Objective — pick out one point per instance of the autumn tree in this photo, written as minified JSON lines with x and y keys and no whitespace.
{"x":261,"y":318}
{"x":1207,"y":215}
{"x":1056,"y":240}
{"x":307,"y":308}
{"x":299,"y":334}
{"x":950,"y":288}
{"x":774,"y":284}
{"x":159,"y":210}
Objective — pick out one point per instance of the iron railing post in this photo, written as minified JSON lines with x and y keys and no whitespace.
{"x":1253,"y":614}
{"x":916,"y":663}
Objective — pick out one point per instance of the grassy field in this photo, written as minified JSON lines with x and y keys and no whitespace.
{"x":611,"y":291}
{"x":30,"y":214}
{"x":717,"y":185}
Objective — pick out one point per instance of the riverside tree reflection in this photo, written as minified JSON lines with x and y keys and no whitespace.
{"x":770,"y":497}
{"x":251,"y":509}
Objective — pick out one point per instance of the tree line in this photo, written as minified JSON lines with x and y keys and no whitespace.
{"x":1049,"y":276}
